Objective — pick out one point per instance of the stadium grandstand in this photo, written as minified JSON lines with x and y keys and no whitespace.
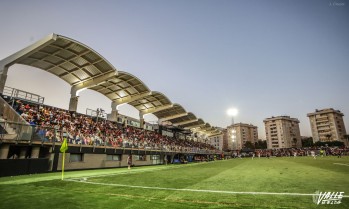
{"x":32,"y":132}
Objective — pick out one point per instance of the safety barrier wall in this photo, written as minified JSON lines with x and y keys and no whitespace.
{"x":13,"y":167}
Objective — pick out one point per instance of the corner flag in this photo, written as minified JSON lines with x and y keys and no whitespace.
{"x":64,"y":147}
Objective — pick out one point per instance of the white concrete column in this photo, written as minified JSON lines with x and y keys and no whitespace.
{"x":22,"y":153}
{"x":141,"y":120}
{"x":73,"y":103}
{"x":74,"y":98}
{"x":35,"y":152}
{"x":4,"y":148}
{"x":114,"y":112}
{"x":3,"y":77}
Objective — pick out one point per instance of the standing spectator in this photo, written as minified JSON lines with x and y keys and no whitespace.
{"x":129,"y":161}
{"x":313,"y":154}
{"x":165,"y":159}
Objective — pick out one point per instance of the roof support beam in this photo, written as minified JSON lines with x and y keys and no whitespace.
{"x":186,"y":122}
{"x":129,"y":99}
{"x":174,"y":116}
{"x":156,"y":109}
{"x":205,"y":128}
{"x":12,"y":59}
{"x":194,"y":126}
{"x":215,"y":134}
{"x":93,"y":82}
{"x":211,"y":129}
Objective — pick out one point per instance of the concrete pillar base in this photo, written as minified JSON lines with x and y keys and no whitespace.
{"x":141,"y":120}
{"x":35,"y":152}
{"x":4,"y":149}
{"x":113,"y":115}
{"x":73,"y":104}
{"x":23,"y":153}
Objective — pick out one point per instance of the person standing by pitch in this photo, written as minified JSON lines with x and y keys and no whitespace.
{"x":129,"y":161}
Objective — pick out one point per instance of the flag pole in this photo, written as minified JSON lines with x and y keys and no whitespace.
{"x":63,"y":149}
{"x":63,"y":165}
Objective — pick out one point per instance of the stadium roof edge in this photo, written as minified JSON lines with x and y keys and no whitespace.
{"x":68,"y":59}
{"x":82,"y":67}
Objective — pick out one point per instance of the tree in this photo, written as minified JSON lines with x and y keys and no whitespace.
{"x":307,"y":142}
{"x":249,"y":145}
{"x":330,"y":144}
{"x":260,"y":144}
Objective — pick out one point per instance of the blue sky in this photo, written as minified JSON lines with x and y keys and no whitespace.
{"x":266,"y":58}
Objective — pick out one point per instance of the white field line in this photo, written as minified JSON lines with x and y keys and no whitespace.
{"x":341,"y":164}
{"x":196,"y":190}
{"x":141,"y":170}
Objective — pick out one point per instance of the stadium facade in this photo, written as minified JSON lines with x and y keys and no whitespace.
{"x":83,"y":68}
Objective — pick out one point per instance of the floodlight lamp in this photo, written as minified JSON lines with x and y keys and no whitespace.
{"x":232,"y":112}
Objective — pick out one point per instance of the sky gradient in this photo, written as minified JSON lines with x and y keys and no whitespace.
{"x":266,"y":58}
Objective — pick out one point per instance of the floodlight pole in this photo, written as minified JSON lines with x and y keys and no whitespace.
{"x":97,"y":115}
{"x":99,"y":111}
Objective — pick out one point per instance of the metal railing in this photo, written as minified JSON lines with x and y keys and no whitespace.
{"x":14,"y":128}
{"x":19,"y":132}
{"x":9,"y":114}
{"x":14,"y":131}
{"x":23,"y":95}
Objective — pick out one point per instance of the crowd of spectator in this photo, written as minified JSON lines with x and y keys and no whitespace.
{"x":54,"y":124}
{"x":304,"y":151}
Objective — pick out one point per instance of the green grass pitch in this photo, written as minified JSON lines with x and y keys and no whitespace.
{"x":219,"y":184}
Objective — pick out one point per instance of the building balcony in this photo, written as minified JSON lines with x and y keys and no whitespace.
{"x":323,"y":134}
{"x":324,"y":129}
{"x":322,"y":119}
{"x":322,"y":124}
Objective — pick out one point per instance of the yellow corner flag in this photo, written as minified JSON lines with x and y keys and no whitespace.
{"x":64,"y":147}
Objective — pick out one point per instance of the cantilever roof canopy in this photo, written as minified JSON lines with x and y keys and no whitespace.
{"x":197,"y":123}
{"x":175,"y":111}
{"x":189,"y":117}
{"x":122,"y":88}
{"x":211,"y":129}
{"x":82,"y":67}
{"x":205,"y":127}
{"x":154,"y":102}
{"x":66,"y":58}
{"x":215,"y":132}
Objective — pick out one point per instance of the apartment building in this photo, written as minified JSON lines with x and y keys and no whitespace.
{"x":282,"y":132}
{"x":216,"y":141}
{"x":225,"y":140}
{"x":240,"y":133}
{"x":327,"y":125}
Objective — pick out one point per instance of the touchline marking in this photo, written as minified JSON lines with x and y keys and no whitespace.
{"x":341,"y":164}
{"x":195,"y":190}
{"x":136,"y":171}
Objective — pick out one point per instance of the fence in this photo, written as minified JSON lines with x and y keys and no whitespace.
{"x":9,"y":114}
{"x":23,"y":95}
{"x":12,"y":167}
